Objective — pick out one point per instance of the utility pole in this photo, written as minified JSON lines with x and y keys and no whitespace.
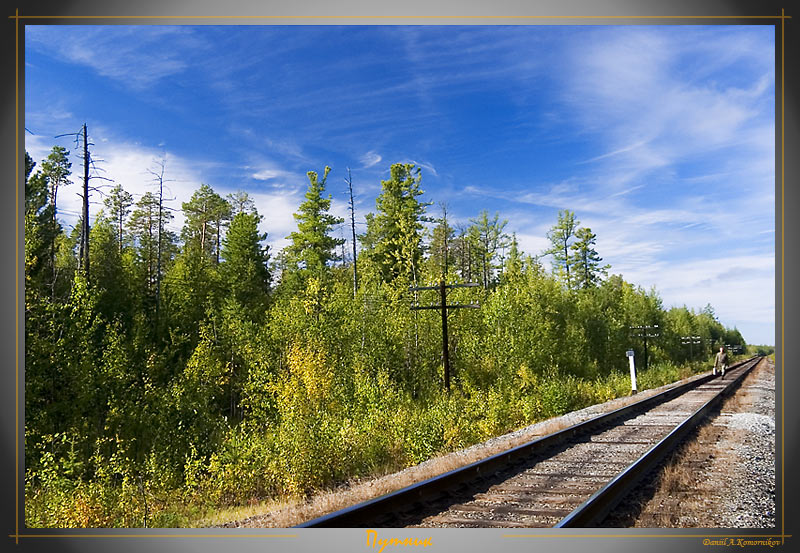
{"x":691,"y":340}
{"x":443,"y":307}
{"x":445,"y":229}
{"x":349,"y":181}
{"x":645,"y":332}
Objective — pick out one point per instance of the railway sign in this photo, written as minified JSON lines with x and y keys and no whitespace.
{"x":629,"y":353}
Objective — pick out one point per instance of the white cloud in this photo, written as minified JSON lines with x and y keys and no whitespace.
{"x":740,"y":288}
{"x":277,"y":209}
{"x":128,"y":165}
{"x":532,"y":244}
{"x":38,"y":147}
{"x":369,"y":159}
{"x":270,"y":172}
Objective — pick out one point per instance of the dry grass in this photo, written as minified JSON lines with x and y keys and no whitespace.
{"x":688,"y":485}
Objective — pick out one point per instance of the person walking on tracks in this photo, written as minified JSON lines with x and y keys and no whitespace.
{"x":721,"y":362}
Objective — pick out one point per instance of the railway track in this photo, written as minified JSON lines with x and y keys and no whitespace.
{"x":571,"y":478}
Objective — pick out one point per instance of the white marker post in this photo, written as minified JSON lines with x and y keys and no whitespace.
{"x":629,"y":353}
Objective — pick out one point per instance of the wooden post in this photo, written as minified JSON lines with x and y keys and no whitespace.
{"x":445,"y":348}
{"x":443,"y":307}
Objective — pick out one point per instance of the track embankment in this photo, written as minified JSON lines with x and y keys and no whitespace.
{"x":725,"y":476}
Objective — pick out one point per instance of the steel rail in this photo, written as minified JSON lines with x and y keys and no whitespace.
{"x":400,"y":500}
{"x":595,"y":508}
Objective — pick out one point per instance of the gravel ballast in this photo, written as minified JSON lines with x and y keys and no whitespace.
{"x":723,"y":478}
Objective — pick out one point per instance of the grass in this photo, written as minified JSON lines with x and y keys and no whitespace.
{"x":289,"y":512}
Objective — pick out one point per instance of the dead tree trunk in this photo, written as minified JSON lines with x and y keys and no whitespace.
{"x":353,"y":227}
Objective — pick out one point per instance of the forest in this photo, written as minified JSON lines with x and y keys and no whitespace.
{"x":168,"y":376}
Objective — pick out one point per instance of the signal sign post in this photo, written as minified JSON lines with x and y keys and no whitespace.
{"x":629,"y":353}
{"x":443,"y":307}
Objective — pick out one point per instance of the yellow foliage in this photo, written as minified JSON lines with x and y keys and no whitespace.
{"x":310,"y":375}
{"x":313,"y":299}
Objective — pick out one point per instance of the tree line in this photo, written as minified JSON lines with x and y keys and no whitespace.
{"x":191,"y":371}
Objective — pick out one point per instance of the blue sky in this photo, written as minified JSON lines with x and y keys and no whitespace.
{"x":660,"y":138}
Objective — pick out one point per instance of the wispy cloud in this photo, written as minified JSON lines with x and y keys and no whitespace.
{"x":277,"y":209}
{"x":622,"y":150}
{"x":136,"y":56}
{"x":370,"y":158}
{"x":271,"y":172}
{"x":630,"y":88}
{"x":426,"y":166}
{"x":661,"y":139}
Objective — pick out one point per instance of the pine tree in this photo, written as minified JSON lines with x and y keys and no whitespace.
{"x":56,"y":170}
{"x":514,"y":262}
{"x":119,"y":202}
{"x":312,"y":246}
{"x":244,"y":269}
{"x":393,"y":241}
{"x":585,"y":260}
{"x":441,"y":258}
{"x":108,"y":275}
{"x":241,"y":202}
{"x":144,"y":227}
{"x":206,"y":213}
{"x":560,"y":236}
{"x":487,"y":237}
{"x":39,"y":235}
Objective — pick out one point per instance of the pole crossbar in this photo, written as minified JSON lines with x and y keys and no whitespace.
{"x":456,"y":306}
{"x":645,"y":332}
{"x":443,"y":307}
{"x":465,"y":285}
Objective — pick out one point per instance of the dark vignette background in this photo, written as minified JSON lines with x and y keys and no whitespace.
{"x":355,"y":539}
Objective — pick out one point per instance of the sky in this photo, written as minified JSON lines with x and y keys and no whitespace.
{"x":661,"y":139}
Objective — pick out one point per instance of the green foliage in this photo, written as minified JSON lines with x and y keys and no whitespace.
{"x":56,"y":169}
{"x":441,"y":253}
{"x":150,"y":411}
{"x":585,"y":260}
{"x":761,"y":350}
{"x":487,"y":238}
{"x":245,"y":272}
{"x":312,"y":247}
{"x":206,"y":213}
{"x":393,"y":241}
{"x":119,"y":202}
{"x":560,"y":236}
